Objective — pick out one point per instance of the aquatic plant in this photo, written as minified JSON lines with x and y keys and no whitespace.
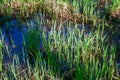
{"x":71,"y":52}
{"x":32,"y":43}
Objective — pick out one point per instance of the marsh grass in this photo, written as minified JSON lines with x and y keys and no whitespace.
{"x":78,"y":54}
{"x":68,"y":53}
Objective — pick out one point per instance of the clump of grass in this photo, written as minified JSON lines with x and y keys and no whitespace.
{"x":115,"y":14}
{"x":32,"y":44}
{"x":19,"y":8}
{"x":115,"y":4}
{"x":76,"y":56}
{"x":111,"y":7}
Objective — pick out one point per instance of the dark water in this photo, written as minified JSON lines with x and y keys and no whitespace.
{"x":12,"y":32}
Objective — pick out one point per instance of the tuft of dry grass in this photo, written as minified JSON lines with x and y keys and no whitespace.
{"x":16,"y":8}
{"x":115,"y":14}
{"x":59,"y":11}
{"x":102,"y":3}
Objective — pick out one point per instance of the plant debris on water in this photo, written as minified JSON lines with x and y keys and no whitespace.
{"x":59,"y":40}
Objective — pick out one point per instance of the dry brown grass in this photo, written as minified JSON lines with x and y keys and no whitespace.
{"x":16,"y":8}
{"x":102,"y":3}
{"x":61,"y":12}
{"x":115,"y":14}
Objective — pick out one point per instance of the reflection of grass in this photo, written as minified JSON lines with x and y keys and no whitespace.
{"x":65,"y":54}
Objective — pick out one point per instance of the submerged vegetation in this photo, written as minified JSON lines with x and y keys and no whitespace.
{"x":70,"y":40}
